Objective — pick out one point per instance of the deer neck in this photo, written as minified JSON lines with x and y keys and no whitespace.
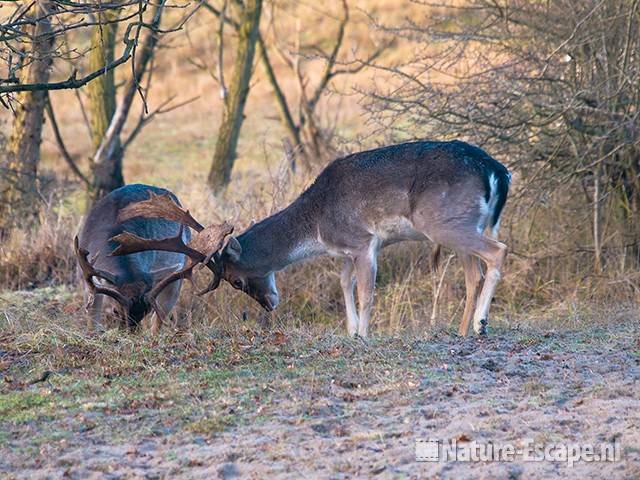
{"x":286,"y":237}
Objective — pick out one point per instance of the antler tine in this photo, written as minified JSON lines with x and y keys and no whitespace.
{"x":213,"y":284}
{"x":89,"y":271}
{"x":113,"y":293}
{"x":209,"y":240}
{"x":131,"y":243}
{"x":185,"y":273}
{"x":159,"y":206}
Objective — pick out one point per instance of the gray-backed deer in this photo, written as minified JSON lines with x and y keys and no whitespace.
{"x":447,"y":192}
{"x":133,"y":265}
{"x":451,"y":193}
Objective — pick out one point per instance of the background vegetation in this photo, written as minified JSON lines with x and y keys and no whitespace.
{"x":236,"y":106}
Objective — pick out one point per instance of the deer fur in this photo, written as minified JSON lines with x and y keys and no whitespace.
{"x":450,"y":193}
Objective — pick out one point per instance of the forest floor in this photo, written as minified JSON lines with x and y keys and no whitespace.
{"x":264,"y":402}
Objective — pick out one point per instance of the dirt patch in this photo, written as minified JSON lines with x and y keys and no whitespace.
{"x":291,"y":406}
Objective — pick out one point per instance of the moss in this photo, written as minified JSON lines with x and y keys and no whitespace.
{"x":20,"y":407}
{"x":212,"y":425}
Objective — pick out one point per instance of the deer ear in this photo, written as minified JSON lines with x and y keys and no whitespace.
{"x":233,"y":249}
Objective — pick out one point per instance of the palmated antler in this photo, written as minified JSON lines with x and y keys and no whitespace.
{"x":131,"y":243}
{"x":160,"y":206}
{"x":204,"y":244}
{"x":89,"y":272}
{"x":207,"y":243}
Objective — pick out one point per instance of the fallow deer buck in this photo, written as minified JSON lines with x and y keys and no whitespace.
{"x":451,"y":193}
{"x":137,"y":264}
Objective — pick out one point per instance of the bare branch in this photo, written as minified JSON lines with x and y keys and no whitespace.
{"x":223,"y":87}
{"x":61,"y":146}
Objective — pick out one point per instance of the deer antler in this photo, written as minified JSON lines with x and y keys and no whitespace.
{"x":201,"y":249}
{"x":89,"y":272}
{"x":204,"y":244}
{"x":131,"y":243}
{"x":160,"y":206}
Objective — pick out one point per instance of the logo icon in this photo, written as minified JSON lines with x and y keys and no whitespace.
{"x":427,"y":450}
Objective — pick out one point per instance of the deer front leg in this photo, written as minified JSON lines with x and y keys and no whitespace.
{"x":366,"y":270}
{"x":159,"y":316}
{"x":166,"y":301}
{"x":348,"y":283}
{"x":94,"y":312}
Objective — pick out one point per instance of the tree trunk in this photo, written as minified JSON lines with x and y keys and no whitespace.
{"x":107,"y":174}
{"x":107,"y":171}
{"x":102,"y":90}
{"x":110,"y":152}
{"x":233,"y":114}
{"x":18,"y":184}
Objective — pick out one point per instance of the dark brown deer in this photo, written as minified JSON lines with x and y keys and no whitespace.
{"x":451,"y":193}
{"x":132,"y":266}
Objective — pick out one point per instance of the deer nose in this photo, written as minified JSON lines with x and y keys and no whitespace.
{"x":271,"y":301}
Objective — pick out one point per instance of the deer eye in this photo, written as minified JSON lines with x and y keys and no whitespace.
{"x":238,"y":284}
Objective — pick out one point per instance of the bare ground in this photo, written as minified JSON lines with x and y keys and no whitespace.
{"x":310,"y":403}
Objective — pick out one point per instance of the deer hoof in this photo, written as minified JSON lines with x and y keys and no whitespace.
{"x":482,"y":329}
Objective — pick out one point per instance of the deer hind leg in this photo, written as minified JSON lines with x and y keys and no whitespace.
{"x":366,"y":271}
{"x":348,"y":283}
{"x":472,"y":278}
{"x":493,"y":253}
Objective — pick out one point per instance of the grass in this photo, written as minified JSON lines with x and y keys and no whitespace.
{"x":115,"y":371}
{"x":182,"y":387}
{"x":60,"y":386}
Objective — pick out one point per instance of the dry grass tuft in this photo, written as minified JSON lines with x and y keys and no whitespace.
{"x":42,"y":256}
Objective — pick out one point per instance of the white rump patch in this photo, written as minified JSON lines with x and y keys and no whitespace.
{"x":488,"y":208}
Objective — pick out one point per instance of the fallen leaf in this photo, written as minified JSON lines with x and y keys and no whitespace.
{"x":279,"y":338}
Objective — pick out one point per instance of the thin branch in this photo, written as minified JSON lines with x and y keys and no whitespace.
{"x":109,"y":142}
{"x":223,"y":87}
{"x":73,"y":81}
{"x":331,"y":60}
{"x":83,"y":111}
{"x":281,"y":100}
{"x":145,"y":119}
{"x":61,"y":146}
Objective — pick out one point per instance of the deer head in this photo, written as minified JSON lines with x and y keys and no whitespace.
{"x":261,"y":286}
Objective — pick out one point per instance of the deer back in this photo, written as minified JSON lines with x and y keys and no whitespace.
{"x":101,"y":224}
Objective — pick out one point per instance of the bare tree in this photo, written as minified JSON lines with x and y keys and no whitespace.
{"x":308,"y":136}
{"x":108,"y":115}
{"x":17,"y":39}
{"x":550,"y":87}
{"x":36,"y":35}
{"x":235,"y":96}
{"x":102,"y":105}
{"x":18,"y":186}
{"x":107,"y":160}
